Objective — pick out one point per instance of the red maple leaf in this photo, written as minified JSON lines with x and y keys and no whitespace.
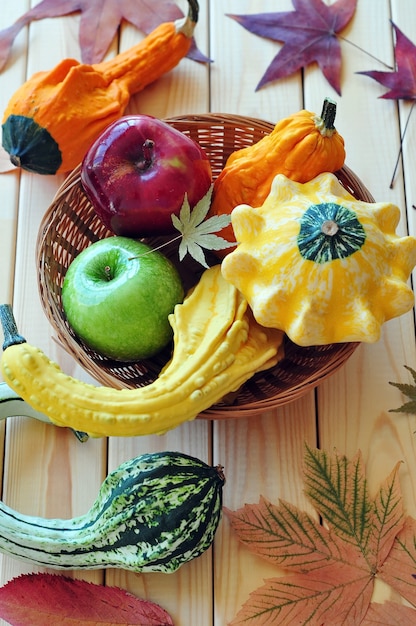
{"x":99,"y":22}
{"x":38,"y":599}
{"x":401,"y":82}
{"x":309,"y":34}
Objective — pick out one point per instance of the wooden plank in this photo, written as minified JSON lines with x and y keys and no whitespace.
{"x":354,"y":404}
{"x":262,"y":455}
{"x":404,"y":17}
{"x":239,"y":60}
{"x":369,"y":395}
{"x":186,"y":594}
{"x":45,"y":466}
{"x":10,"y":78}
{"x":368,"y":125}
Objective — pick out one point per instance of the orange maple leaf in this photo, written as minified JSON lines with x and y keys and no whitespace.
{"x":334,"y":565}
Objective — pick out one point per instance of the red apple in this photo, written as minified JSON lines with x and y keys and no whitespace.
{"x":136,"y":174}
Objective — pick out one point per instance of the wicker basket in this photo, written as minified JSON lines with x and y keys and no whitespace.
{"x":70,"y":224}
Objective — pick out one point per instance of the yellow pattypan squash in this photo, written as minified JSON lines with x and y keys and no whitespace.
{"x":320,"y":265}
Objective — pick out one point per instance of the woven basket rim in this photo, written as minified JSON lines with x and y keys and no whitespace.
{"x":330,"y":358}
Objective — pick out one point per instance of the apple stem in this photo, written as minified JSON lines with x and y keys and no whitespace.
{"x":8,"y":322}
{"x":148,"y":151}
{"x":107,"y":272}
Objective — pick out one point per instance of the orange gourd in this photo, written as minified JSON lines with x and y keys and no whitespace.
{"x":53,"y":118}
{"x":300,"y":146}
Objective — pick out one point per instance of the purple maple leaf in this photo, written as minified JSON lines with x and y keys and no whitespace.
{"x":309,"y":34}
{"x":402,"y":82}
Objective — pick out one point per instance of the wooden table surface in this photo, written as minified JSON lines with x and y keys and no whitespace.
{"x":46,"y":472}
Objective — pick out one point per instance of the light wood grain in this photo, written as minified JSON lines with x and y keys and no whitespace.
{"x":185,"y":89}
{"x":45,"y":468}
{"x":47,"y":472}
{"x":254,"y":451}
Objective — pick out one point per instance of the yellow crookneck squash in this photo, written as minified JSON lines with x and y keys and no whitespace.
{"x":217,"y":347}
{"x":300,"y":146}
{"x":53,"y":118}
{"x":320,"y":265}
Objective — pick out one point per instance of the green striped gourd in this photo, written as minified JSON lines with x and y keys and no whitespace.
{"x":152,"y":514}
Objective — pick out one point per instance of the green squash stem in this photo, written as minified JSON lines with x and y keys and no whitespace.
{"x":10,"y":403}
{"x":325,"y":123}
{"x":8,"y":322}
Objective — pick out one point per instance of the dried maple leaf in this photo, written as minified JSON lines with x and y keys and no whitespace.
{"x":197,"y":232}
{"x":334,"y":565}
{"x":388,"y":614}
{"x":401,"y":82}
{"x":39,"y":599}
{"x":409,"y":391}
{"x":100,"y":20}
{"x":399,"y":570}
{"x":309,"y":34}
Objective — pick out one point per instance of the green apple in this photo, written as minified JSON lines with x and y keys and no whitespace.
{"x":117,"y":295}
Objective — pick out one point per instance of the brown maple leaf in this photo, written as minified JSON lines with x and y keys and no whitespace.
{"x":332,"y":567}
{"x":100,"y":20}
{"x":309,"y":34}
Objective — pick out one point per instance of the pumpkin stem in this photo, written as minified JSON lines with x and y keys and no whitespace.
{"x":330,"y":228}
{"x":325,"y":123}
{"x":329,"y":110}
{"x":8,"y":322}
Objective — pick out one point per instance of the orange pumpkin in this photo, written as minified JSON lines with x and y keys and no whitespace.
{"x":300,"y":146}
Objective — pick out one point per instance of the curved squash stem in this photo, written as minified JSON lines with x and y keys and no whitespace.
{"x":8,"y":323}
{"x":12,"y":338}
{"x":186,"y":25}
{"x":193,"y":10}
